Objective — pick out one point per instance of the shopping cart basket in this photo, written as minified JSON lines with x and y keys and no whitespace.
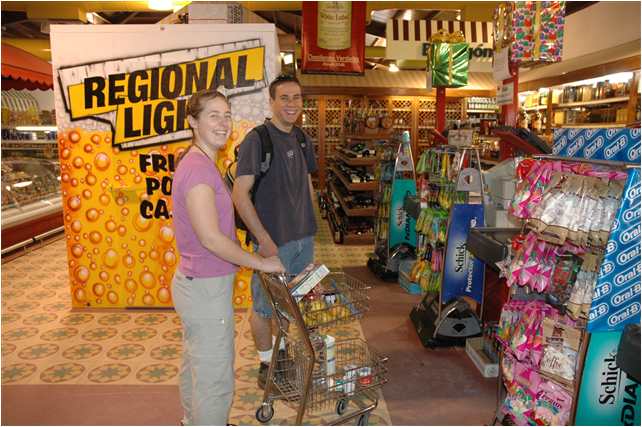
{"x":313,"y":374}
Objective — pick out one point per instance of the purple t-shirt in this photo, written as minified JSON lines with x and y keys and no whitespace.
{"x":195,"y":260}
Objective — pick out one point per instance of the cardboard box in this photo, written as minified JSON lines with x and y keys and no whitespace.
{"x":307,"y":280}
{"x":474,"y":350}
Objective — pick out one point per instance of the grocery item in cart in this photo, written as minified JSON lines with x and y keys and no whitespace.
{"x":305,"y":281}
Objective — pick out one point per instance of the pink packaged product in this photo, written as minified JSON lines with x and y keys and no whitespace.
{"x":522,"y":383}
{"x":553,"y":405}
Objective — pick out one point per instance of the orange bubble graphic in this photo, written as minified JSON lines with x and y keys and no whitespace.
{"x":92,"y":214}
{"x":104,"y":184}
{"x":95,"y":139}
{"x":110,"y":226}
{"x":81,"y":273}
{"x":153,"y":254}
{"x":77,"y":162}
{"x":238,"y":300}
{"x":64,"y":177}
{"x":104,"y":276}
{"x":148,"y":299}
{"x":74,"y":203}
{"x":117,"y":278}
{"x":65,"y":153}
{"x":90,"y":179}
{"x":95,"y":237}
{"x":96,"y":251}
{"x":130,"y":285}
{"x":166,"y":234}
{"x":93,"y":266}
{"x":142,"y":255}
{"x":131,"y":300}
{"x":122,"y":169}
{"x":104,"y":199}
{"x":124,"y":211}
{"x":102,"y":161}
{"x":138,"y":179}
{"x":112,"y":297}
{"x":88,"y":166}
{"x":99,"y":289}
{"x":86,"y":194}
{"x":163,"y":295}
{"x":241,"y":285}
{"x":128,"y":260}
{"x":88,"y":148}
{"x":110,"y":258}
{"x":76,"y":226}
{"x":170,"y":258}
{"x":122,"y":230}
{"x":74,"y":136}
{"x":74,"y":182}
{"x":77,"y":250}
{"x":80,"y":295}
{"x":147,"y":280}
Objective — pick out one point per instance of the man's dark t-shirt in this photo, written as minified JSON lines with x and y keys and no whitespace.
{"x":283,"y":202}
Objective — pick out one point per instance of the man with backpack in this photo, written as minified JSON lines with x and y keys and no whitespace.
{"x":273,"y":196}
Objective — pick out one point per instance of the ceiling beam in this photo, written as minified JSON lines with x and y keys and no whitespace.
{"x":471,"y":10}
{"x":38,"y":47}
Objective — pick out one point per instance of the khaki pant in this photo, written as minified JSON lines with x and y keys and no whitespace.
{"x":206,"y":382}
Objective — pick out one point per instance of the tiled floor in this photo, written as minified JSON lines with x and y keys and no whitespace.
{"x":45,"y":342}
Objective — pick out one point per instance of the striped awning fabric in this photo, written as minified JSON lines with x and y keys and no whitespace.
{"x":475,"y":32}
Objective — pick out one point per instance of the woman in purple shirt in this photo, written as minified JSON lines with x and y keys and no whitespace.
{"x":209,"y":255}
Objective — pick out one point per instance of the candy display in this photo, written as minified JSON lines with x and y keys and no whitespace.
{"x":448,"y":59}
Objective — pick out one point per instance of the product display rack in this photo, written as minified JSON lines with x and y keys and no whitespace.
{"x":342,"y":191}
{"x":590,"y":264}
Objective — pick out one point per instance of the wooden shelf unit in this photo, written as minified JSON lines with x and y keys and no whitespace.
{"x":351,"y":211}
{"x":350,"y":186}
{"x":356,"y":161}
{"x":594,"y":102}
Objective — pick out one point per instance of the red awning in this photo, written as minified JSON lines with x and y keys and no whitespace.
{"x":22,"y":70}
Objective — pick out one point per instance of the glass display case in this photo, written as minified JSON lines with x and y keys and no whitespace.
{"x":31,"y":196}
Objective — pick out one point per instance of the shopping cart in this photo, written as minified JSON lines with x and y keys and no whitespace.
{"x":306,"y":375}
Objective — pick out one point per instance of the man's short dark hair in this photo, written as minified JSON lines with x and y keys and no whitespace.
{"x":281,"y":79}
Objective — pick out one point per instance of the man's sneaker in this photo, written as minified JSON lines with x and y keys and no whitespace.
{"x":262,"y":377}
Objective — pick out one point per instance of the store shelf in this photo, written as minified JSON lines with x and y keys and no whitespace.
{"x":361,"y":186}
{"x":592,"y":125}
{"x":355,"y":161}
{"x":352,"y":211}
{"x":351,"y":238}
{"x":535,"y":108}
{"x":482,"y":111}
{"x":30,"y":141}
{"x":369,"y":137}
{"x":595,"y":102}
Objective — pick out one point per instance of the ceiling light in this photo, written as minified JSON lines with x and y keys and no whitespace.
{"x":407,"y":15}
{"x":22,"y":184}
{"x":393,"y":67}
{"x":36,"y":128}
{"x":288,"y":58}
{"x":160,"y":4}
{"x":458,"y":17}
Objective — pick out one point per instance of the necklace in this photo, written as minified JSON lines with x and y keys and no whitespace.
{"x":202,"y":151}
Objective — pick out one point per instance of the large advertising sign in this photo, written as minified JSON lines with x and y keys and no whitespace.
{"x":463,"y":273}
{"x":333,"y":37}
{"x":616,"y":298}
{"x":121,"y":94}
{"x":608,"y":396}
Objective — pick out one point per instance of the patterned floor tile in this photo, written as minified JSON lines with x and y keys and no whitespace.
{"x":82,"y":351}
{"x":109,"y":373}
{"x":157,"y":373}
{"x":64,"y":372}
{"x":38,"y":351}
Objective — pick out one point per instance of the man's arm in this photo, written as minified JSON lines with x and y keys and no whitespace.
{"x":311,"y":188}
{"x":245,"y":208}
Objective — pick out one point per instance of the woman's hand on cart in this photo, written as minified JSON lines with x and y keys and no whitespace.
{"x":272,"y":265}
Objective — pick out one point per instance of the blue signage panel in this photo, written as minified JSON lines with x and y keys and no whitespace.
{"x":463,"y":274}
{"x":618,"y":144}
{"x":608,"y":396}
{"x":402,"y":225}
{"x":616,"y":299}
